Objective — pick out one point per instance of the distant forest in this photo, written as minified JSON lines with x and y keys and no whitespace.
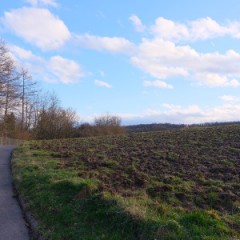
{"x":168,"y":126}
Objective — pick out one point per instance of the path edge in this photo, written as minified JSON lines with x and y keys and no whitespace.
{"x":32,"y":223}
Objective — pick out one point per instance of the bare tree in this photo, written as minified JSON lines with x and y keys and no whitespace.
{"x":8,"y":81}
{"x":54,"y":121}
{"x":9,"y":91}
{"x":27,"y":93}
{"x":10,"y":94}
{"x":107,"y":120}
{"x":18,"y":95}
{"x":108,"y":124}
{"x":6,"y":62}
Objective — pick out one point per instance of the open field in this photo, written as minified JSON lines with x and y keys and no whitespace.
{"x":181,"y":184}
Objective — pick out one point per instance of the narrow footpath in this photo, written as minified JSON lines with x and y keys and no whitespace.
{"x":12,"y":224}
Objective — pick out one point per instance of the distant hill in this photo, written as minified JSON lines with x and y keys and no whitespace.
{"x":154,"y":127}
{"x":168,"y":126}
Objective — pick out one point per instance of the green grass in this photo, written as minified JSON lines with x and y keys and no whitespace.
{"x":128,"y":187}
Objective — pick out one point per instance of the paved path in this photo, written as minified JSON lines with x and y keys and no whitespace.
{"x":12,"y":224}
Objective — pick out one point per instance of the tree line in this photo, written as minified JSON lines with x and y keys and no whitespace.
{"x":17,"y":96}
{"x":26,"y":112}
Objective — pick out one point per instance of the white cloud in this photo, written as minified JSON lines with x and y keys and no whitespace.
{"x":229,"y":98}
{"x":187,"y":115}
{"x":110,"y":44}
{"x":53,"y":70}
{"x":206,"y":28}
{"x":158,"y":84}
{"x":23,"y":54}
{"x":169,"y":30}
{"x":216,"y":80}
{"x":67,"y":71}
{"x":35,"y":64}
{"x":195,"y":114}
{"x":35,"y":3}
{"x":164,"y":59}
{"x":102,"y":84}
{"x":234,"y":29}
{"x":37,"y":26}
{"x":200,"y":29}
{"x":138,"y":25}
{"x":177,"y":109}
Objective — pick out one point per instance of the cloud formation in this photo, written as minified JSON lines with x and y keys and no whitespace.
{"x":164,"y":59}
{"x":23,"y":54}
{"x":102,"y":84}
{"x":162,"y":56}
{"x":37,"y":26}
{"x":53,"y":70}
{"x":68,"y":71}
{"x":185,"y":115}
{"x":110,"y":44}
{"x":158,"y":84}
{"x":137,"y":23}
{"x":200,"y":29}
{"x":229,"y":98}
{"x":35,"y":64}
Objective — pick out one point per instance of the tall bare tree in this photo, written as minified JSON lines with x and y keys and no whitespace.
{"x":9,"y":91}
{"x":27,"y":92}
{"x":23,"y":111}
{"x":8,"y":78}
{"x":6,"y":61}
{"x":17,"y":91}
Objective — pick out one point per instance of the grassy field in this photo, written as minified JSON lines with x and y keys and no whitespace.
{"x":181,"y":184}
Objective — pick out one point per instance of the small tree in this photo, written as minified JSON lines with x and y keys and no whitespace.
{"x":108,"y":124}
{"x":108,"y":120}
{"x":85,"y":130}
{"x":54,"y":121}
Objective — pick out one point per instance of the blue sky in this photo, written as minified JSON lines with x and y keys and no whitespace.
{"x":146,"y":61}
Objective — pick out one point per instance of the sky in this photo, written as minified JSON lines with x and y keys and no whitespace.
{"x":146,"y":61}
